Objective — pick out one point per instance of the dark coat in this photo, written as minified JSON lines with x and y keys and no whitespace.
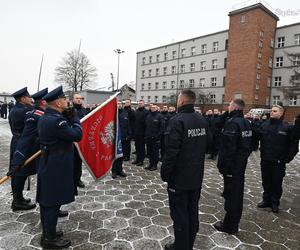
{"x":81,"y":111}
{"x":186,"y":140}
{"x":28,"y":144}
{"x":16,"y":121}
{"x":154,"y":125}
{"x":166,"y":116}
{"x":55,"y":183}
{"x":140,"y":121}
{"x":126,"y":129}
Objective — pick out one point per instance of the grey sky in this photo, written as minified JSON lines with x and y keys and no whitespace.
{"x":30,"y":28}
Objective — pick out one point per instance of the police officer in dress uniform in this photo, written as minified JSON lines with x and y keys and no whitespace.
{"x":81,"y":112}
{"x":187,"y":138}
{"x":117,"y":168}
{"x":55,"y":183}
{"x":166,"y":116}
{"x":235,"y":148}
{"x":139,"y":133}
{"x":16,"y":121}
{"x":278,"y":146}
{"x":154,"y":129}
{"x":126,"y":144}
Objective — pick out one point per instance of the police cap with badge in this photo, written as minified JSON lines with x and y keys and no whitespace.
{"x":40,"y":94}
{"x":54,"y":94}
{"x":20,"y":93}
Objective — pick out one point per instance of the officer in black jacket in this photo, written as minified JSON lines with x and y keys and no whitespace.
{"x":80,"y":112}
{"x":187,"y":138}
{"x":126,"y":144}
{"x":235,"y":148}
{"x":16,"y":121}
{"x":154,"y":129}
{"x":55,"y":182}
{"x":166,"y":116}
{"x":139,"y":133}
{"x":277,"y":147}
{"x":117,"y":168}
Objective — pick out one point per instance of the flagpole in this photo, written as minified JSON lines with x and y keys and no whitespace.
{"x":40,"y":73}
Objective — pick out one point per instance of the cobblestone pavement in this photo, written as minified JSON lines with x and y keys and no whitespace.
{"x":133,"y":212}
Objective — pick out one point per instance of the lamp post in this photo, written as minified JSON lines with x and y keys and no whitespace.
{"x":118,"y":51}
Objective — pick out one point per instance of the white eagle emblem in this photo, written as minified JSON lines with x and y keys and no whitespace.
{"x":108,"y":136}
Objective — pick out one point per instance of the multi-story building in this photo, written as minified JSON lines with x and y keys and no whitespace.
{"x":253,"y":60}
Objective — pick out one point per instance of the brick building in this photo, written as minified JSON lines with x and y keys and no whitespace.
{"x":254,"y":60}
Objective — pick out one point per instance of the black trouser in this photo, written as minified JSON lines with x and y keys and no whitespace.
{"x":153,"y":145}
{"x":234,"y":194}
{"x":49,"y":216}
{"x":215,"y":146}
{"x":184,"y":213}
{"x":126,"y":147}
{"x":140,"y":147}
{"x":18,"y":183}
{"x":162,"y":146}
{"x":117,"y":166}
{"x":272,"y":174}
{"x":77,"y":167}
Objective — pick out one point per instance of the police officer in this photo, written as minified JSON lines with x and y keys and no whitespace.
{"x":126,"y":144}
{"x":154,"y":129}
{"x":81,"y":112}
{"x":277,"y":147}
{"x":139,"y":132}
{"x":216,"y":132}
{"x":117,"y":168}
{"x":166,"y":116}
{"x":187,"y":138}
{"x":16,"y":121}
{"x":55,"y":183}
{"x":235,"y":148}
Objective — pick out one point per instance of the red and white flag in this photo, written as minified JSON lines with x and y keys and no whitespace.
{"x":100,"y":144}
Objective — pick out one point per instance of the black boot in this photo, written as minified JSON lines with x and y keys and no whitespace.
{"x":51,"y":240}
{"x":27,"y":200}
{"x":62,"y":213}
{"x":19,"y":203}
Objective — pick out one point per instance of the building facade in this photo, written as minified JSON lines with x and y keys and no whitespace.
{"x":254,"y":60}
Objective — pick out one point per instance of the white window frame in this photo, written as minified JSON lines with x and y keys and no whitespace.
{"x":164,"y":99}
{"x":192,"y":67}
{"x":280,"y":42}
{"x":172,"y":84}
{"x":149,"y":98}
{"x":213,"y":98}
{"x":279,"y":62}
{"x":203,"y":65}
{"x":156,"y":99}
{"x":296,"y":60}
{"x":203,"y":48}
{"x":183,"y":51}
{"x":173,"y":69}
{"x":149,"y":72}
{"x":293,"y":100}
{"x":214,"y":63}
{"x":193,"y":51}
{"x":150,"y":59}
{"x":165,"y":70}
{"x":149,"y":85}
{"x":143,"y":60}
{"x":142,"y":86}
{"x":202,"y":82}
{"x":166,"y":56}
{"x":143,"y":73}
{"x":277,"y":81}
{"x":213,"y":81}
{"x":191,"y":83}
{"x":174,"y":54}
{"x":215,"y":46}
{"x":156,"y":85}
{"x":157,"y":57}
{"x":297,"y":39}
{"x":157,"y":71}
{"x":181,"y":85}
{"x":164,"y":85}
{"x":275,"y":99}
{"x":182,"y":68}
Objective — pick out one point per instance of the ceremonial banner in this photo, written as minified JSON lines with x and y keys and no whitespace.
{"x":101,"y":138}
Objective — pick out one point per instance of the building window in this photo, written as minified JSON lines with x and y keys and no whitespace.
{"x":243,"y":18}
{"x":259,"y":66}
{"x":172,"y":84}
{"x":149,"y":85}
{"x":297,"y":39}
{"x":165,"y":69}
{"x":202,"y":65}
{"x":258,"y":76}
{"x":182,"y":52}
{"x":203,"y":48}
{"x":156,"y":99}
{"x":279,"y":61}
{"x":173,"y":69}
{"x":213,"y":81}
{"x":142,"y":97}
{"x":296,"y":60}
{"x":181,"y":84}
{"x":164,"y":85}
{"x":215,"y":46}
{"x":292,"y":100}
{"x":174,"y":54}
{"x":257,"y":86}
{"x":226,"y":44}
{"x":150,"y":59}
{"x":166,"y":56}
{"x":223,"y":98}
{"x":143,"y":86}
{"x":295,"y":79}
{"x":225,"y":63}
{"x":202,"y":82}
{"x":237,"y":96}
{"x":157,"y":85}
{"x":269,"y":82}
{"x":272,"y":43}
{"x":276,"y":99}
{"x":149,"y":99}
{"x":182,"y":68}
{"x":157,"y":58}
{"x":193,"y":51}
{"x":157,"y":71}
{"x":280,"y":42}
{"x":214,"y":64}
{"x":270,"y":62}
{"x":143,"y":73}
{"x":149,"y":72}
{"x":256,"y":96}
{"x":143,"y":60}
{"x":261,"y":34}
{"x":164,"y":99}
{"x":212,"y":98}
{"x":192,"y":67}
{"x":277,"y":81}
{"x":259,"y":55}
{"x":224,"y":80}
{"x":191,"y":83}
{"x":260,"y":44}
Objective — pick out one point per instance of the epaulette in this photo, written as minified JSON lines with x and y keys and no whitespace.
{"x":38,"y":112}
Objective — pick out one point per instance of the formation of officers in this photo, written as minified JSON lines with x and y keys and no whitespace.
{"x":180,"y":140}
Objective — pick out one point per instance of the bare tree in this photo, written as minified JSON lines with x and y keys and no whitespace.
{"x":76,"y":72}
{"x":204,"y":99}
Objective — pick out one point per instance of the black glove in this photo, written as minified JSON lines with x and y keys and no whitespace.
{"x":69,"y":113}
{"x":13,"y":170}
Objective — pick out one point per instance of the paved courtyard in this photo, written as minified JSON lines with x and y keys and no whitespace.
{"x":133,"y":212}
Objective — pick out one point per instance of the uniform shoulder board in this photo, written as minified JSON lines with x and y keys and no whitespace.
{"x":38,"y":112}
{"x":61,"y":123}
{"x":29,"y":119}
